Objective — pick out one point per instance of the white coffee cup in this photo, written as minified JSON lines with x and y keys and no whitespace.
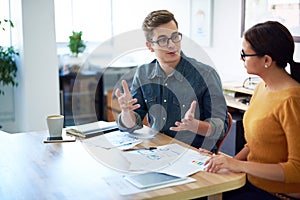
{"x":55,"y":125}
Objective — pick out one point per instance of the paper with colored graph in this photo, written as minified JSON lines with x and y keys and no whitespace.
{"x":172,"y":159}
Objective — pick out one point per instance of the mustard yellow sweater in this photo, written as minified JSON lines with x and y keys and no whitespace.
{"x":272,"y":132}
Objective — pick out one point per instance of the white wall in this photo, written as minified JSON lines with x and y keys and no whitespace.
{"x":226,"y":44}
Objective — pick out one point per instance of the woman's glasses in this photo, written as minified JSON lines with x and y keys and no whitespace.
{"x":243,"y":55}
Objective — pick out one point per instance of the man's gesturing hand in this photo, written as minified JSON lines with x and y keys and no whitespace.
{"x":126,"y":102}
{"x":188,"y":122}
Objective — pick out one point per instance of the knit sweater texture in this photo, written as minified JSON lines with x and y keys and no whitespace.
{"x":272,"y":132}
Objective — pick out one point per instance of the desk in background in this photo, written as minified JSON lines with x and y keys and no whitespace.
{"x":30,"y":169}
{"x":82,"y":97}
{"x":237,"y":98}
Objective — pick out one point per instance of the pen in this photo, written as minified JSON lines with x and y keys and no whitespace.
{"x":135,"y":149}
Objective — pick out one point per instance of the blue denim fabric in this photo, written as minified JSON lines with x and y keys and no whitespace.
{"x":166,"y":99}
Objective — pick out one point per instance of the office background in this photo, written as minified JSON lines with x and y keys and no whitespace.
{"x":37,"y":95}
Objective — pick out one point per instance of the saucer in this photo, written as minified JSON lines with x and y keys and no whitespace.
{"x":54,"y":138}
{"x":59,"y":139}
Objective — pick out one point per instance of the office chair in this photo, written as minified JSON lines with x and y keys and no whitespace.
{"x":221,"y":141}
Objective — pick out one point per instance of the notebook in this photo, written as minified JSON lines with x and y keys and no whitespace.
{"x":92,"y":129}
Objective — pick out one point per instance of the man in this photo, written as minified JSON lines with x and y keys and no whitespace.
{"x":181,"y":97}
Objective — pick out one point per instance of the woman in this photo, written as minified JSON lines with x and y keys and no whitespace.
{"x":271,"y":157}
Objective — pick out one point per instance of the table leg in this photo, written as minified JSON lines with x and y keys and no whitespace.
{"x":215,"y":197}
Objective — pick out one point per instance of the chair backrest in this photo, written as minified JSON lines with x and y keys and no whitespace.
{"x":221,"y":141}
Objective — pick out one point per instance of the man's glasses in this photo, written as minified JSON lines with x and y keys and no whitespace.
{"x":243,"y":55}
{"x":164,"y":41}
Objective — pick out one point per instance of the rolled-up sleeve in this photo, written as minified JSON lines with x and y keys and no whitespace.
{"x":218,"y":107}
{"x":138,"y":125}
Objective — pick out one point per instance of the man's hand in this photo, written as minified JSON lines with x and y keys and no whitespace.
{"x":126,"y":102}
{"x":188,"y":122}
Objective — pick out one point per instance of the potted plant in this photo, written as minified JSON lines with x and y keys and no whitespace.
{"x":76,"y":44}
{"x":8,"y":66}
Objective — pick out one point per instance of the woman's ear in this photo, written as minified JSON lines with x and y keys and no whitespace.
{"x":268,"y":60}
{"x":149,"y":45}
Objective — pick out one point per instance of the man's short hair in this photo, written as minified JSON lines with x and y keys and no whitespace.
{"x":155,"y":19}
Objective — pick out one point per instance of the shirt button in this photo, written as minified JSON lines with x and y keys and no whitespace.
{"x":164,"y":118}
{"x":183,"y":105}
{"x":166,"y":84}
{"x":165,"y":100}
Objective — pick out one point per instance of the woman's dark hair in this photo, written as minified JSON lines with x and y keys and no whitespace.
{"x":274,"y":39}
{"x":155,"y":19}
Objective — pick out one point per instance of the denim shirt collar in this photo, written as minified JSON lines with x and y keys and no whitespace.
{"x":159,"y":73}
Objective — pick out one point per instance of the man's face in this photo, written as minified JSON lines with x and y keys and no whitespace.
{"x":166,"y":50}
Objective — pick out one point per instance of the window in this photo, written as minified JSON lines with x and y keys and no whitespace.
{"x":100,"y":20}
{"x":92,"y":17}
{"x":5,"y":14}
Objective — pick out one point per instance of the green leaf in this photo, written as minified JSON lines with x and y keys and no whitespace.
{"x":8,"y":66}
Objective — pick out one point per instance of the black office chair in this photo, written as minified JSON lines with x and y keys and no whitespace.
{"x":221,"y":141}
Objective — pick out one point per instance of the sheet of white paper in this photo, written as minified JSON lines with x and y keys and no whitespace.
{"x":191,"y":162}
{"x":153,"y":160}
{"x":123,"y":187}
{"x":172,"y":159}
{"x":115,"y":139}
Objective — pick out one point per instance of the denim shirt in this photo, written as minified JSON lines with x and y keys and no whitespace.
{"x":166,"y":99}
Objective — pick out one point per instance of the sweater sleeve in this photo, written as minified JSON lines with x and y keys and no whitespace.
{"x":290,"y":118}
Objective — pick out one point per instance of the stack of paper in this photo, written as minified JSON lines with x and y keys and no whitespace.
{"x":92,"y":129}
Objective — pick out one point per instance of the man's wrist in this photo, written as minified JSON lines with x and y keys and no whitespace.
{"x":196,"y":126}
